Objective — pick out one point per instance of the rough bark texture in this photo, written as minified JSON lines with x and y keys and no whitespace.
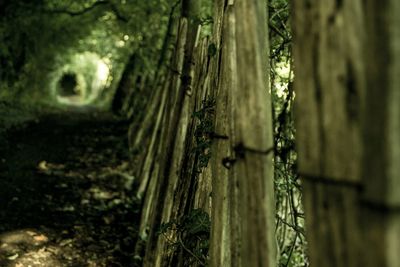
{"x":253,"y":136}
{"x":209,"y":147}
{"x":347,"y":56}
{"x":223,"y":252}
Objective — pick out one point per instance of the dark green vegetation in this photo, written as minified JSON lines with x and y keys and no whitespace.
{"x":72,"y":60}
{"x":43,"y":40}
{"x":162,"y":133}
{"x":289,"y":211}
{"x":193,"y":236}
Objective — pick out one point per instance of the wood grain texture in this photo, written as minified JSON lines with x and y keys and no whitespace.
{"x":329,"y":86}
{"x":347,"y":57}
{"x":253,"y":136}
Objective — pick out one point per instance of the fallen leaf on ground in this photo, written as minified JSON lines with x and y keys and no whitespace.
{"x":40,"y":238}
{"x":13,"y":257}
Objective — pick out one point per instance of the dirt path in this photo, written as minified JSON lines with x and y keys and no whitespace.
{"x":65,"y":193}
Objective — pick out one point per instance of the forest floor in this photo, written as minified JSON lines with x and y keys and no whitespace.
{"x":66,"y":196}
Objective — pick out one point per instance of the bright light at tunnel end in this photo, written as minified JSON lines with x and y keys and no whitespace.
{"x":83,"y":65}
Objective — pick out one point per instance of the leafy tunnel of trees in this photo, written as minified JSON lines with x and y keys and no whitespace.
{"x":199,"y":133}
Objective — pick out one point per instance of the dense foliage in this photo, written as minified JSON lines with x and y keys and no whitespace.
{"x":44,"y":40}
{"x":289,"y":211}
{"x":40,"y":38}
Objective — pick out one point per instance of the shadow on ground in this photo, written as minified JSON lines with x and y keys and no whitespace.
{"x":65,"y":190}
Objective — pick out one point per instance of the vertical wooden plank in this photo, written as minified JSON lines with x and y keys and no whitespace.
{"x":329,"y":85}
{"x":253,"y":141}
{"x":221,"y":252}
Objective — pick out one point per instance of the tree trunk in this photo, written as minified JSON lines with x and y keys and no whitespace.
{"x":216,"y":112}
{"x":253,"y":137}
{"x":347,"y":129}
{"x":243,"y":193}
{"x":381,"y":169}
